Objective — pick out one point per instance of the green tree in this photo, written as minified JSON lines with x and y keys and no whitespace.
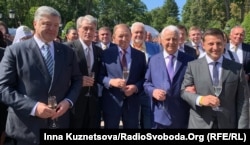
{"x":246,"y":25}
{"x":165,"y":15}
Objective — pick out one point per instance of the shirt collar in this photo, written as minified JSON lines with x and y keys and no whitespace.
{"x":128,"y":50}
{"x":40,"y":43}
{"x":232,"y":46}
{"x":165,"y":54}
{"x":85,"y":46}
{"x":209,"y":60}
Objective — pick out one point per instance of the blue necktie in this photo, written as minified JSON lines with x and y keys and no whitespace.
{"x":170,"y":66}
{"x":215,"y":74}
{"x":48,"y":59}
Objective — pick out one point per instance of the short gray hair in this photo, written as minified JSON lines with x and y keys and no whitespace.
{"x":171,"y":28}
{"x":46,"y":10}
{"x":137,"y":24}
{"x":88,"y":18}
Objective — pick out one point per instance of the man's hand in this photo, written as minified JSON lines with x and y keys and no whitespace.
{"x":87,"y":81}
{"x":43,"y":111}
{"x":62,"y":107}
{"x":210,"y":100}
{"x":118,"y":83}
{"x":159,"y":94}
{"x":191,"y":89}
{"x":129,"y":90}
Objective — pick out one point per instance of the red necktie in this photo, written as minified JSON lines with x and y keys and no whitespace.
{"x":124,"y":61}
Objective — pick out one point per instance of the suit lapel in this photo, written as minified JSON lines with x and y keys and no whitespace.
{"x":178,"y":63}
{"x":82,"y":59}
{"x":58,"y":57}
{"x":225,"y":70}
{"x":204,"y":72}
{"x":37,"y":56}
{"x":164,"y":72}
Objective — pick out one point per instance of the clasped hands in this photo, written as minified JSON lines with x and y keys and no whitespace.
{"x":121,"y":83}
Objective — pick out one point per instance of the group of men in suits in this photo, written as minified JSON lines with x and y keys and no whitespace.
{"x":164,"y":96}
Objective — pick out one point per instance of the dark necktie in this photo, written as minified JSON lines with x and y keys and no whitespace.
{"x":215,"y":74}
{"x":48,"y":59}
{"x":197,"y":50}
{"x":88,"y":59}
{"x":170,"y":66}
{"x":124,"y":60}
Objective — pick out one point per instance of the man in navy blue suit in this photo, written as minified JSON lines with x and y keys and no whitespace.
{"x":163,"y":86}
{"x":149,"y":49}
{"x":120,"y":96}
{"x":26,"y":81}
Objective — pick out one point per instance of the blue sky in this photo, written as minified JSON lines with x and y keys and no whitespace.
{"x":151,"y":4}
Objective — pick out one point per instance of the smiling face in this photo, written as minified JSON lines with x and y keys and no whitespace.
{"x":214,"y":46}
{"x":237,"y":35}
{"x":138,"y":34}
{"x":47,"y":27}
{"x":169,"y":40}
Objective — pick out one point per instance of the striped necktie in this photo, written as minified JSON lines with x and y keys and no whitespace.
{"x":48,"y":59}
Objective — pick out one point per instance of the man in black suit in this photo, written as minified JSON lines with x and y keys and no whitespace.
{"x":240,"y":50}
{"x":33,"y":70}
{"x":182,"y":39}
{"x":84,"y":113}
{"x":195,"y":41}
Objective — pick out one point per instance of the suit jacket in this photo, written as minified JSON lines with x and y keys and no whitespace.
{"x":190,"y":51}
{"x":82,"y":63}
{"x":233,"y":98}
{"x":24,"y":80}
{"x":110,"y":44}
{"x":1,"y":52}
{"x":176,"y":116}
{"x":111,"y":68}
{"x":193,"y":53}
{"x":100,"y":87}
{"x":151,"y":49}
{"x":246,"y":57}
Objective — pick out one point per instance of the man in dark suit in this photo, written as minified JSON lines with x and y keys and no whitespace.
{"x":163,"y":87}
{"x":105,"y":42}
{"x":195,"y":42}
{"x":149,"y":49}
{"x":239,"y":49}
{"x":182,"y":39}
{"x":104,"y":34}
{"x":121,"y":97}
{"x":84,"y":113}
{"x":33,"y":70}
{"x":208,"y":71}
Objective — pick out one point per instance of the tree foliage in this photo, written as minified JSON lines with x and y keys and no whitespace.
{"x":246,"y":25}
{"x":223,"y":14}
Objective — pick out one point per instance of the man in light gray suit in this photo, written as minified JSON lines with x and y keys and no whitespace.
{"x":26,"y":81}
{"x":203,"y":73}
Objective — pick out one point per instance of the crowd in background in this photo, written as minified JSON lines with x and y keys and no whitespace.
{"x":165,"y":82}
